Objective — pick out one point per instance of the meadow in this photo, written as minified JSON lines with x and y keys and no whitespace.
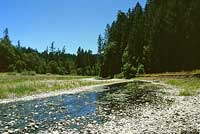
{"x":188,"y":82}
{"x":18,"y":85}
{"x":187,"y":86}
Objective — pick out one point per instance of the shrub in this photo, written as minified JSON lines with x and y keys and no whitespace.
{"x":185,"y":93}
{"x":12,"y":73}
{"x":28,"y":73}
{"x":119,"y":76}
{"x":32,"y":73}
{"x":62,"y":71}
{"x":12,"y":68}
{"x":80,"y":71}
{"x":73,"y":72}
{"x":129,"y":71}
{"x":140,"y":69}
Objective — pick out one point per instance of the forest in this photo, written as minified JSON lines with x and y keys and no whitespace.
{"x":161,"y":37}
{"x":15,"y":58}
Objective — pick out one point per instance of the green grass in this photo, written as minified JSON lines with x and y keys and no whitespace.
{"x":188,"y":86}
{"x":172,"y":73}
{"x":19,"y":85}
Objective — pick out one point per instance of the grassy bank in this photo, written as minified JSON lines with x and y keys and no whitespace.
{"x":188,"y":86}
{"x":187,"y":82}
{"x":17,"y":85}
{"x":172,"y":74}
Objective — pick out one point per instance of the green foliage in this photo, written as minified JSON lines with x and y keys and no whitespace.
{"x":185,"y":93}
{"x":188,"y":86}
{"x":19,"y":65}
{"x":164,"y":37}
{"x":119,"y":76}
{"x":86,"y":62}
{"x":21,"y":85}
{"x":25,"y":60}
{"x":140,"y":69}
{"x":12,"y":73}
{"x":53,"y":67}
{"x":28,"y":73}
{"x":129,"y":71}
{"x":7,"y":54}
{"x":111,"y":61}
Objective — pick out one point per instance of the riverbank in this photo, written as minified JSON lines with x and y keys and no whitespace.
{"x":181,"y":117}
{"x":90,"y":85}
{"x":176,"y":114}
{"x":15,"y":85}
{"x":188,"y":85}
{"x":148,"y":105}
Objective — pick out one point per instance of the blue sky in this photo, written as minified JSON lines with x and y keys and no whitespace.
{"x":74,"y":23}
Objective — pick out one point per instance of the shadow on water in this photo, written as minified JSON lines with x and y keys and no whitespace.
{"x":76,"y":110}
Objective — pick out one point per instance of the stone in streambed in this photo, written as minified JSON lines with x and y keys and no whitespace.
{"x":10,"y":131}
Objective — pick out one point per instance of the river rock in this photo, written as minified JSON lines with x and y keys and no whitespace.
{"x":10,"y":131}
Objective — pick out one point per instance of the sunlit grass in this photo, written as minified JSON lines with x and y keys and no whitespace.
{"x":187,"y":81}
{"x":188,"y":86}
{"x":18,"y":85}
{"x":172,"y":73}
{"x":9,"y":78}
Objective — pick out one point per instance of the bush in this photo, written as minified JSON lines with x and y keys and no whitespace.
{"x":186,"y":93}
{"x":140,"y":69}
{"x":12,"y":68}
{"x":12,"y":73}
{"x":73,"y":72}
{"x":53,"y":67}
{"x":62,"y":71}
{"x":133,"y":71}
{"x":119,"y":76}
{"x":28,"y":73}
{"x":129,"y":71}
{"x":80,"y":71}
{"x":32,"y":73}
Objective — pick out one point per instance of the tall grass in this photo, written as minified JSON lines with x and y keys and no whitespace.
{"x":188,"y":86}
{"x":19,"y":85}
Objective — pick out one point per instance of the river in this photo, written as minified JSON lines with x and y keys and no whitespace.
{"x":73,"y":111}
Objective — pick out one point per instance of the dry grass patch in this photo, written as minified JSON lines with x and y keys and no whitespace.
{"x":18,"y":85}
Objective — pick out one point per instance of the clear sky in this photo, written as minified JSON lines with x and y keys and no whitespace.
{"x":74,"y":23}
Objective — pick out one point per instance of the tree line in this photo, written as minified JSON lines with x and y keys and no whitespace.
{"x":161,"y":37}
{"x":15,"y":58}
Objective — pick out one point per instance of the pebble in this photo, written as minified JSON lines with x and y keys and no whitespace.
{"x":10,"y":131}
{"x":90,"y":125}
{"x":16,"y":130}
{"x":182,"y":115}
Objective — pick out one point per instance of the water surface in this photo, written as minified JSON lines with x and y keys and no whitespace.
{"x":77,"y":110}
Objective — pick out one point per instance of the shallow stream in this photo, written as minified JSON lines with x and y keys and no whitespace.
{"x":73,"y":111}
